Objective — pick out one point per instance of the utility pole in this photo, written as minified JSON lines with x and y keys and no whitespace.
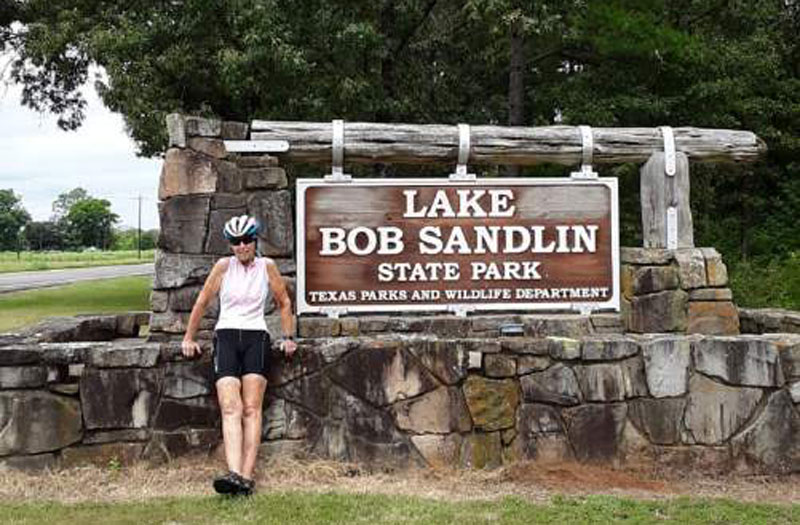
{"x":139,"y":228}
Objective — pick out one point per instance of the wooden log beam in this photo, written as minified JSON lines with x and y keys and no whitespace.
{"x":367,"y":142}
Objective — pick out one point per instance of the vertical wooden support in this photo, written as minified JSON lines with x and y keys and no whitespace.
{"x":659,"y":192}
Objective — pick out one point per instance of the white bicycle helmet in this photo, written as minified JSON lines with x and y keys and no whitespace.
{"x":241,"y":226}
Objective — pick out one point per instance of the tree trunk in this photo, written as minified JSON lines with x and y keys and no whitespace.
{"x":516,"y":83}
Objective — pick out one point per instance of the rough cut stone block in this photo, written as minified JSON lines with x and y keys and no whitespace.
{"x":612,"y":382}
{"x":286,"y":448}
{"x":563,"y":348}
{"x":234,"y":130}
{"x":114,"y":436}
{"x":183,"y":299}
{"x":790,"y":357}
{"x":708,"y":460}
{"x":607,"y":323}
{"x":659,"y":419}
{"x":441,"y":411}
{"x":125,"y":353}
{"x":274,"y":210}
{"x":197,"y":412}
{"x":449,"y":326}
{"x":203,"y":127}
{"x":539,"y":428}
{"x":794,"y":391}
{"x":482,"y":451}
{"x":101,"y":455}
{"x":666,"y":363}
{"x":626,"y":273}
{"x":691,"y":268}
{"x":532,"y":363}
{"x":189,"y":379}
{"x":371,"y":325}
{"x":595,"y":431}
{"x":34,"y":421}
{"x":739,"y":361}
{"x":500,"y":365}
{"x":176,"y":322}
{"x":35,"y":463}
{"x":186,"y":172}
{"x":440,"y":452}
{"x":183,"y":224}
{"x":387,"y":373}
{"x":119,"y":398}
{"x":772,"y":443}
{"x":716,"y":272}
{"x":166,"y":446}
{"x":70,"y":329}
{"x":492,"y":323}
{"x":22,"y":376}
{"x":176,"y":270}
{"x":20,"y":355}
{"x":67,"y":353}
{"x":257,"y":161}
{"x":405,"y":324}
{"x":492,"y":403}
{"x":645,"y":256}
{"x":562,"y":325}
{"x":176,"y":130}
{"x":474,"y":360}
{"x":659,"y":312}
{"x":608,"y":348}
{"x":210,"y":147}
{"x":556,"y":385}
{"x":713,"y":318}
{"x":715,"y":412}
{"x":711,"y":294}
{"x":229,"y":178}
{"x":312,"y":327}
{"x":650,"y":279}
{"x":264,"y":178}
{"x":526,"y":345}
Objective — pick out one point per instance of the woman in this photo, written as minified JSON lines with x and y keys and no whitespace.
{"x":241,"y":346}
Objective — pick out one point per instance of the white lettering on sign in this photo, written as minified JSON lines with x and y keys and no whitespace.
{"x":362,"y":240}
{"x":468,"y":204}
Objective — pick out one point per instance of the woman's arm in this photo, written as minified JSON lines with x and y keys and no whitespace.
{"x":284,"y":303}
{"x":189,"y":346}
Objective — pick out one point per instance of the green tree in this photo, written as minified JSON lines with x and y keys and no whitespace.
{"x":66,"y":200}
{"x":44,"y":235}
{"x":12,"y":218}
{"x":127,"y":239}
{"x":90,"y":222}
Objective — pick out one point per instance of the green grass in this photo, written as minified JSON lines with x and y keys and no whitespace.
{"x":771,"y":284}
{"x":298,"y":508}
{"x":18,"y":309}
{"x":30,"y":261}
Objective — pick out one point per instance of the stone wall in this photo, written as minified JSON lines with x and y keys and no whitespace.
{"x":439,"y":391}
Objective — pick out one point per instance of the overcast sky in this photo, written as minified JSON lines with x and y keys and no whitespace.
{"x":39,"y":161}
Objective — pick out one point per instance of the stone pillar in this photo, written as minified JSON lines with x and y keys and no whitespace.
{"x":201,"y":187}
{"x":683,"y":291}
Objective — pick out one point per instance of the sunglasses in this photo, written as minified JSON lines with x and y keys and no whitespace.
{"x":247,"y":239}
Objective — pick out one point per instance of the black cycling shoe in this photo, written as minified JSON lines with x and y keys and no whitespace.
{"x":231,"y":483}
{"x":248,"y":486}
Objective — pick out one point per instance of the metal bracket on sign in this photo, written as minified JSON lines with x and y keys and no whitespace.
{"x":463,"y":155}
{"x":587,"y":150}
{"x":585,"y":309}
{"x":670,"y":169}
{"x":333,"y":312}
{"x":460,"y":310}
{"x":337,"y":161}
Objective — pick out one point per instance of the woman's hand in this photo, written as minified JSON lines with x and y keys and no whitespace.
{"x":190,"y":348}
{"x":289,"y":347}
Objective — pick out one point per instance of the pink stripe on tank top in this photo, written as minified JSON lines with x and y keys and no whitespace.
{"x":243,"y":294}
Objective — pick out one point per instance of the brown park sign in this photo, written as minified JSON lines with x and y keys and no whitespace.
{"x":431,"y":244}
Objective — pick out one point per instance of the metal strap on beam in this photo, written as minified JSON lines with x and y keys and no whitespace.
{"x":587,"y":151}
{"x":337,"y":154}
{"x":669,"y":170}
{"x":463,"y":154}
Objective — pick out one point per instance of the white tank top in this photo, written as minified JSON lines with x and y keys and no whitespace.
{"x":243,"y":294}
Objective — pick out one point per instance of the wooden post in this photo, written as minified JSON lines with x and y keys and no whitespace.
{"x":659,"y":192}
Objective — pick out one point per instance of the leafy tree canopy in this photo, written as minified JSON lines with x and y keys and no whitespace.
{"x":12,"y":218}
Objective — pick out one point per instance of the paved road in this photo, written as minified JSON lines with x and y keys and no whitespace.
{"x":13,"y":282}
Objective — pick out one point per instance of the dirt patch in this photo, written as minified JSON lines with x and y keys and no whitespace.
{"x":532,"y":481}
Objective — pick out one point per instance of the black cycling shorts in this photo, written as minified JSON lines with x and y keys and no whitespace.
{"x":241,"y":352}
